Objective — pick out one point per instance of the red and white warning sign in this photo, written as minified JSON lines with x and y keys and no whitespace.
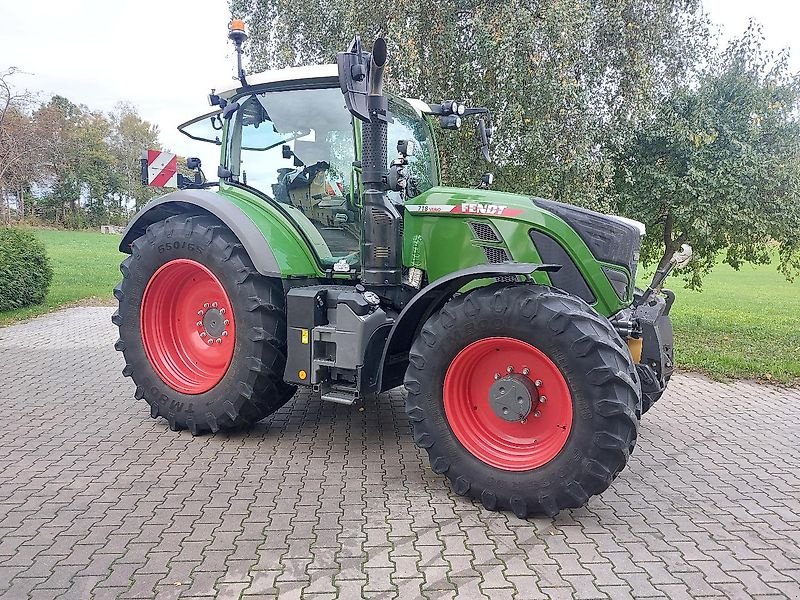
{"x":162,"y":168}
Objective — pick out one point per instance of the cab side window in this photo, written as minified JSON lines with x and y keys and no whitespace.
{"x":407,"y":125}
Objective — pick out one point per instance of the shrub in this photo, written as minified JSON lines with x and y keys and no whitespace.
{"x":25,"y":271}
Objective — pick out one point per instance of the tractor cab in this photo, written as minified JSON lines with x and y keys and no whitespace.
{"x":290,"y":137}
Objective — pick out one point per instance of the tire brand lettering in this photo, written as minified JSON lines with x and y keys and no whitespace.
{"x":190,"y":246}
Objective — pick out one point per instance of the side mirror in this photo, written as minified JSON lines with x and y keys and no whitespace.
{"x":405,"y":147}
{"x":286,"y":151}
{"x":484,"y":134}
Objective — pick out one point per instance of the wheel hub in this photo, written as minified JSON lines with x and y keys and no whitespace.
{"x":513,"y":397}
{"x":214,"y":323}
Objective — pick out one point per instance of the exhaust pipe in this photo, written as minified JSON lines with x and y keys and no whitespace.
{"x":380,"y":250}
{"x":376,"y":65}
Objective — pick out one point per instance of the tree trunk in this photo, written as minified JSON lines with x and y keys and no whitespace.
{"x":670,"y":245}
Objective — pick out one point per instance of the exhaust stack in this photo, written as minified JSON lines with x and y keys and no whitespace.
{"x":361,"y":80}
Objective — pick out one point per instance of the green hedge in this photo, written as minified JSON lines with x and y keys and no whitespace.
{"x":25,"y":271}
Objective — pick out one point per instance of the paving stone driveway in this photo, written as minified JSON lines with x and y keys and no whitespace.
{"x":320,"y":501}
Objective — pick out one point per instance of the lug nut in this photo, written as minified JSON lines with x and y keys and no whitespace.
{"x":205,"y":305}
{"x":222,"y":311}
{"x":200,"y":312}
{"x":226,"y":322}
{"x":199,"y":323}
{"x":542,"y":399}
{"x":525,"y":371}
{"x":203,"y":334}
{"x":219,"y":340}
{"x":537,"y":414}
{"x":523,"y":420}
{"x":214,"y":305}
{"x":509,"y":369}
{"x":496,"y":376}
{"x":224,"y":334}
{"x":538,"y":383}
{"x":210,"y":342}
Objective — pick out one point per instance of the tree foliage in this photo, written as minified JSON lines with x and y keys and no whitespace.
{"x":559,"y":76}
{"x":65,"y":164}
{"x":718,"y":164}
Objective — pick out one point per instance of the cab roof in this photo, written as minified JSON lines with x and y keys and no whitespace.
{"x":329,"y":72}
{"x":289,"y":74}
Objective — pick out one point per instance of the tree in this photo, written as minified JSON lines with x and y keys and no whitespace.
{"x":130,"y":136}
{"x":718,"y":164}
{"x":19,"y":143}
{"x":74,"y":166}
{"x":561,"y":78}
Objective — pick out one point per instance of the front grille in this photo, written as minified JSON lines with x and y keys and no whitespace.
{"x":484,"y":232}
{"x":495,"y":255}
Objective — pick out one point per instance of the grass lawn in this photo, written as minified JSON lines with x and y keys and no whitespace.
{"x":85,"y":268}
{"x":744,"y":323}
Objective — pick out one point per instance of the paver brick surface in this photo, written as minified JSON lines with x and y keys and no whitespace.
{"x":97,"y":500}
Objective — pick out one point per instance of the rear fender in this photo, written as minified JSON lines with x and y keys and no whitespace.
{"x":204,"y":202}
{"x":430,"y":299}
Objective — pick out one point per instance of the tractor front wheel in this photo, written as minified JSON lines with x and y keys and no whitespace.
{"x":524,"y":397}
{"x":203,"y":334}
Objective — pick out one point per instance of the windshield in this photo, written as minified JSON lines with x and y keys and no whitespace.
{"x":297,"y":146}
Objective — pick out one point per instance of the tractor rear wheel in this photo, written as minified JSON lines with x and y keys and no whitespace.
{"x":203,"y":334}
{"x":524,"y":397}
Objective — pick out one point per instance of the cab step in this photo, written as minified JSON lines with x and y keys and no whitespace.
{"x":340,"y":395}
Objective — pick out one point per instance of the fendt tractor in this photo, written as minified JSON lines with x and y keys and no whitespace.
{"x":319,"y":261}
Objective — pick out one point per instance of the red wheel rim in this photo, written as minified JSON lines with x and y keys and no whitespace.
{"x":519,"y":445}
{"x":187,"y":326}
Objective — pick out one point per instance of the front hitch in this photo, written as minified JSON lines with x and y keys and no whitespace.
{"x":679,"y":260}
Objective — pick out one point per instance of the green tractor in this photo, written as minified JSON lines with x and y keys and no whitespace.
{"x":318,"y":261}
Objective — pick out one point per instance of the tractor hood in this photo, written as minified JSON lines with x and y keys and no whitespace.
{"x":490,"y":202}
{"x":598,"y":253}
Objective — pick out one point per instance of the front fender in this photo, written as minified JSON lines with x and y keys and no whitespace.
{"x":192,"y":201}
{"x":427,"y":301}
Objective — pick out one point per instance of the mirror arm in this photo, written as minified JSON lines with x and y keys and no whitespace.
{"x":478,"y":110}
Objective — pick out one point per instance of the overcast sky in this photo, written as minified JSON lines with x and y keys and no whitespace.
{"x":164,"y":56}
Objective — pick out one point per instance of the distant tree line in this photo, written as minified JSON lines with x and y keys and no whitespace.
{"x":67,"y":165}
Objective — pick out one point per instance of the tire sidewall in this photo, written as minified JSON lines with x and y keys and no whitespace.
{"x":163,"y":243}
{"x":455,"y":329}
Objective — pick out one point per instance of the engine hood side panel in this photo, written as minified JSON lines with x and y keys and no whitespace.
{"x":437,"y":231}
